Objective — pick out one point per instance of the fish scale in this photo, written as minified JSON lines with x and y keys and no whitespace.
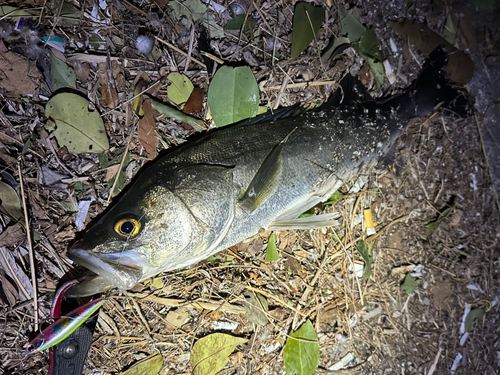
{"x":220,"y":189}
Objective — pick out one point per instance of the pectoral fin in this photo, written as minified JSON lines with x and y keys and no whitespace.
{"x":265,"y":181}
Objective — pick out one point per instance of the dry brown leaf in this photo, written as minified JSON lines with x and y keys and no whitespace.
{"x":12,"y":235}
{"x":194,"y":105}
{"x":148,"y":136}
{"x":9,"y":290}
{"x":111,"y":172}
{"x":110,"y":95}
{"x":18,"y":75}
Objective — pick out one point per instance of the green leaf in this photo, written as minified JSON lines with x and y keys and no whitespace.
{"x":450,"y":31}
{"x":193,"y":9}
{"x":211,"y":353}
{"x":236,"y":23}
{"x":368,"y":48}
{"x":350,"y":24}
{"x":368,"y":44}
{"x":410,"y":284}
{"x":62,"y":74}
{"x":307,"y":20}
{"x":96,"y":41}
{"x":271,"y":251}
{"x":377,"y":69}
{"x":336,"y":197}
{"x":310,"y":212}
{"x":435,"y":224}
{"x":471,"y":318}
{"x":150,"y":365}
{"x":77,"y":128}
{"x":10,"y":204}
{"x":256,"y":309}
{"x":366,"y":252}
{"x":233,"y":95}
{"x":180,"y":88}
{"x":215,"y":30}
{"x":302,"y":356}
{"x":7,"y":11}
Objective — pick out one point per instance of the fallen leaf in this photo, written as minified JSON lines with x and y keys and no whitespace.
{"x":471,"y":317}
{"x":367,"y":254}
{"x":62,"y":74}
{"x":148,"y":136}
{"x":194,"y":105}
{"x":256,"y":309}
{"x":11,"y":235}
{"x":271,"y":251}
{"x":150,"y":365}
{"x":193,"y":9}
{"x":10,"y":294}
{"x":233,"y":95}
{"x":307,"y":20}
{"x":211,"y":353}
{"x":302,"y":355}
{"x":410,"y":284}
{"x":178,"y":317}
{"x":110,"y":95}
{"x":18,"y":75}
{"x":180,"y":88}
{"x":10,"y":204}
{"x":77,"y":128}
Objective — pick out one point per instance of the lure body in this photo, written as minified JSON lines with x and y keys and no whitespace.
{"x":63,"y":327}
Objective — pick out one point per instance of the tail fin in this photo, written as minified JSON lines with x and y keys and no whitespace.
{"x":431,"y":88}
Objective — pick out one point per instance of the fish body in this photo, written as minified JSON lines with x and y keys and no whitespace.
{"x":218,"y":190}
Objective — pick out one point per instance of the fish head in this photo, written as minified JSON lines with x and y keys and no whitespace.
{"x":135,"y":238}
{"x":156,"y":226}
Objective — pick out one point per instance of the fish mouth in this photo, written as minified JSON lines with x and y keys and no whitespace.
{"x":116,"y":269}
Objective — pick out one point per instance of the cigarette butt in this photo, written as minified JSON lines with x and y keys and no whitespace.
{"x":370,"y":224}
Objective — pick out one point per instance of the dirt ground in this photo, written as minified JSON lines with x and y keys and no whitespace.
{"x":436,"y":207}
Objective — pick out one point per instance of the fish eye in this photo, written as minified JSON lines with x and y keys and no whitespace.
{"x":128,"y":227}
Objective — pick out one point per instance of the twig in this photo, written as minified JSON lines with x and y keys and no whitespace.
{"x":121,"y":164}
{"x":495,"y":193}
{"x":434,"y":364}
{"x":190,"y":50}
{"x":32,"y":255}
{"x":180,"y":51}
{"x":301,"y":84}
{"x":283,"y":303}
{"x":207,"y":305}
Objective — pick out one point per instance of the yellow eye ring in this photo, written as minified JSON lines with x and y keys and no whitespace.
{"x":128,"y":227}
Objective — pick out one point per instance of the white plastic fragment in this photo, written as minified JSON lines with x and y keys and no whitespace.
{"x":456,"y":362}
{"x":358,"y":269}
{"x":389,"y":72}
{"x":394,"y":48}
{"x":372,"y":314}
{"x":466,"y":312}
{"x":342,"y":363}
{"x":83,"y":209}
{"x":145,"y":44}
{"x":464,"y":338}
{"x":273,"y":347}
{"x":225,"y":326}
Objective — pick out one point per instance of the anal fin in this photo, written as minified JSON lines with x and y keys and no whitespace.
{"x":311,"y":222}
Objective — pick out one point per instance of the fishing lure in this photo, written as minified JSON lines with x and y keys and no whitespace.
{"x":63,"y":327}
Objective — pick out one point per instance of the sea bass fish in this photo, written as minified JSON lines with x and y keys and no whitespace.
{"x":220,"y":189}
